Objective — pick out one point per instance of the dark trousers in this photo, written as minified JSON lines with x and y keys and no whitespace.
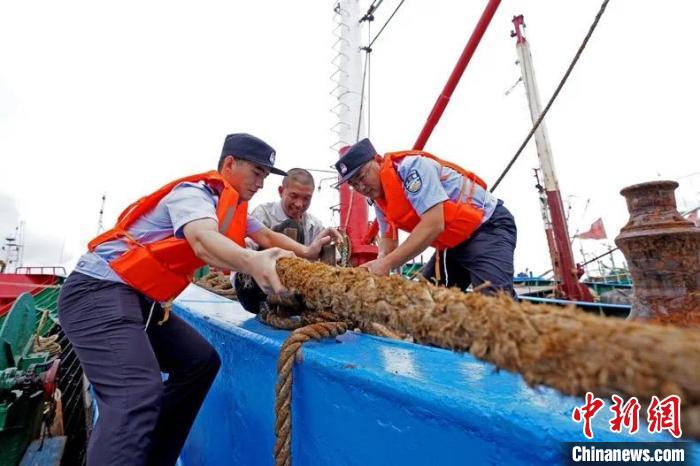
{"x":142,"y":420}
{"x":486,"y":256}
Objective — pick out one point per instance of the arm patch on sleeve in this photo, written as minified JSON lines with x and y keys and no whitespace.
{"x":413,"y":182}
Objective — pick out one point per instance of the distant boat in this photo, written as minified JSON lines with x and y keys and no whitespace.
{"x":37,"y":426}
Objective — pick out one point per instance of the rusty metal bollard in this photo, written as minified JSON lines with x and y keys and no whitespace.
{"x":663,"y":254}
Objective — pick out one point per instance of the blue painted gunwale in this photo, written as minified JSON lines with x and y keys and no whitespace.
{"x":366,"y":400}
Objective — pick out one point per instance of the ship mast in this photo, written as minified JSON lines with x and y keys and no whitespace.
{"x":548,"y":230}
{"x":14,"y":248}
{"x":349,"y":129}
{"x":563,"y":257}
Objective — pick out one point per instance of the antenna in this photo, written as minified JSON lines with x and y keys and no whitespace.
{"x":20,"y":249}
{"x":14,"y":248}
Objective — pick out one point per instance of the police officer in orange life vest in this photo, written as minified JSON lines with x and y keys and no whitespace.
{"x":441,"y":205}
{"x":110,"y":306}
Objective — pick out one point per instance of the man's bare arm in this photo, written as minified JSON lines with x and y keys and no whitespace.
{"x":431,"y":224}
{"x":267,"y":238}
{"x":215,"y":249}
{"x":387,"y":245}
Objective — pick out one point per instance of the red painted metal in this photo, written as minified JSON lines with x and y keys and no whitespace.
{"x":519,"y":24}
{"x":12,"y":285}
{"x":354,"y":222}
{"x":456,"y":75}
{"x":570,"y":287}
{"x":49,"y":380}
{"x":372,"y":232}
{"x":553,"y":254}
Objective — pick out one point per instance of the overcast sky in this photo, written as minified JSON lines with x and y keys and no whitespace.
{"x":121,"y":97}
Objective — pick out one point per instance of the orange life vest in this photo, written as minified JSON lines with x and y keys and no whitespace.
{"x":461,"y":218}
{"x":162,"y":269}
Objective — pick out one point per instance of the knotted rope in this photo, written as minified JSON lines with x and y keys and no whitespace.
{"x":47,"y":344}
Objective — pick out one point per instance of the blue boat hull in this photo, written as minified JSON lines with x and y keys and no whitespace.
{"x":366,"y":400}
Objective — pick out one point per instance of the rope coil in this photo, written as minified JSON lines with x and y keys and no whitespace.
{"x":47,"y":344}
{"x":283,"y":391}
{"x":219,"y":283}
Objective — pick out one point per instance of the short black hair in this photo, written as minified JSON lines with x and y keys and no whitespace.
{"x":299,"y":175}
{"x":223,"y":158}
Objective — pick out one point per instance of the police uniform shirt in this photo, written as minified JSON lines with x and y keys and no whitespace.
{"x":185,"y":203}
{"x":427,"y":183}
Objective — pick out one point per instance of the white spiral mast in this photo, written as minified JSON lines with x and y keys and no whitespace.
{"x":347,"y":75}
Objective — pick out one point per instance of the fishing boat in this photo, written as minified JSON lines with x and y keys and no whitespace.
{"x":45,"y":408}
{"x":354,"y":397}
{"x":366,"y":399}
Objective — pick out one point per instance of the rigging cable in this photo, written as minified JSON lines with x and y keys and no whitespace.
{"x":369,"y":16}
{"x":554,"y":96}
{"x":583,"y":215}
{"x":610,"y":251}
{"x":385,"y":24}
{"x":369,"y":86}
{"x":368,"y":51}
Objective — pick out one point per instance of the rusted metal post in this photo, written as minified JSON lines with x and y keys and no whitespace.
{"x":663,"y":252}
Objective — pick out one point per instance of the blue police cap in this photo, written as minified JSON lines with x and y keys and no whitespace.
{"x":247,"y":147}
{"x":356,"y":156}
